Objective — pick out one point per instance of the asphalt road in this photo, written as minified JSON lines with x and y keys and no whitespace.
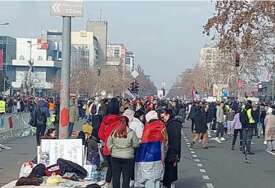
{"x":220,"y":167}
{"x":216,"y":167}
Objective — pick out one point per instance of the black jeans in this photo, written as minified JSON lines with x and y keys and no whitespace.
{"x":124,"y":167}
{"x":247,"y":137}
{"x":108,"y":178}
{"x":40,"y":131}
{"x":236,"y":132}
{"x":220,"y":129}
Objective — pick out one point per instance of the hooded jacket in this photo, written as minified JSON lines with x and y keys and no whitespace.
{"x":107,"y":126}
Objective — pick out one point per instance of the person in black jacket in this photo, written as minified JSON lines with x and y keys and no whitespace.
{"x":173,"y":127}
{"x":200,"y":121}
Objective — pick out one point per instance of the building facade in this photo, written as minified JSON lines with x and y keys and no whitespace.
{"x":100,"y":31}
{"x":44,"y":69}
{"x":130,"y":61}
{"x":116,"y":54}
{"x":7,"y":53}
{"x":85,"y":49}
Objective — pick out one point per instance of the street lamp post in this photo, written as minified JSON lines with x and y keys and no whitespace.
{"x":28,"y":78}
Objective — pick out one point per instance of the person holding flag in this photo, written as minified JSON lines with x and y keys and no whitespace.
{"x":149,"y":161}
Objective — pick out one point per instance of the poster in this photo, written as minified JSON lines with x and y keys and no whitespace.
{"x":52,"y":149}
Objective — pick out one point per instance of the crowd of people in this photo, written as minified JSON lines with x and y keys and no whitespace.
{"x":233,"y":118}
{"x":140,"y":139}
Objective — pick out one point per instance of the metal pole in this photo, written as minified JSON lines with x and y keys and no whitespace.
{"x":273,"y":84}
{"x":65,"y":78}
{"x":30,"y":70}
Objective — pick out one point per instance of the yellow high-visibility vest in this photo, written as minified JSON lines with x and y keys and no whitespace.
{"x":2,"y":106}
{"x":250,"y":117}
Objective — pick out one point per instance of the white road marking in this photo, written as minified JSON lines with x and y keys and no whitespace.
{"x":209,"y":185}
{"x":192,"y":152}
{"x":195,"y":156}
{"x":197,"y":160}
{"x":202,"y":170}
{"x":199,"y":165}
{"x":270,"y":152}
{"x":205,"y":177}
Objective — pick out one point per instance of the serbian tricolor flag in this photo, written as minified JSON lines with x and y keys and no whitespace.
{"x":150,"y":154}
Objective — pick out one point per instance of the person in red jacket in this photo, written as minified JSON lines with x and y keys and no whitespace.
{"x":107,"y":126}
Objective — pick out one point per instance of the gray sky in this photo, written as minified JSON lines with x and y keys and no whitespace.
{"x":165,"y":36}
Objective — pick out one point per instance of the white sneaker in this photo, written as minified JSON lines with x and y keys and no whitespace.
{"x":217,"y":140}
{"x":101,"y":183}
{"x":222,"y":139}
{"x":138,"y":184}
{"x":132,"y":183}
{"x":106,"y":185}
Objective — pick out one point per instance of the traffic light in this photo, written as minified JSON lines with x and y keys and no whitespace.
{"x":237,"y":59}
{"x":134,"y":88}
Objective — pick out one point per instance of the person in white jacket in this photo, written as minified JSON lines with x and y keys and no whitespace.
{"x":134,"y":123}
{"x":137,"y":126}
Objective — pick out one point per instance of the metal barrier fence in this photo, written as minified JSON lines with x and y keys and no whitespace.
{"x":13,"y":125}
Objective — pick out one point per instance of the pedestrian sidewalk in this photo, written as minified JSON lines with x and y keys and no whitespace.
{"x":22,"y":149}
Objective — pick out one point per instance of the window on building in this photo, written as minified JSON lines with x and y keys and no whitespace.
{"x":21,"y":57}
{"x":116,"y":52}
{"x":39,"y":58}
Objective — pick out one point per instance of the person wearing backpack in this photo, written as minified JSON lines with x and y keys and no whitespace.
{"x":39,"y":119}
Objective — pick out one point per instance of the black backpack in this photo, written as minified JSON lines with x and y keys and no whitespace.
{"x":94,"y":109}
{"x":243,"y":117}
{"x":41,"y":117}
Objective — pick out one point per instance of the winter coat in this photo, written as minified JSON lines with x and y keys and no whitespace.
{"x":236,"y":122}
{"x":193,"y":112}
{"x":270,"y":127}
{"x":107,"y":126}
{"x":123,"y":147}
{"x":262,"y":116}
{"x":174,"y":151}
{"x":220,"y":114}
{"x":73,"y":113}
{"x":200,"y":122}
{"x":173,"y":128}
{"x":137,"y":126}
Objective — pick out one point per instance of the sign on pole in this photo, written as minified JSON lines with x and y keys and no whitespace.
{"x":135,"y":74}
{"x":72,"y":8}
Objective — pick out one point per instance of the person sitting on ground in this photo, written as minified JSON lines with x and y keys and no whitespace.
{"x":50,"y":134}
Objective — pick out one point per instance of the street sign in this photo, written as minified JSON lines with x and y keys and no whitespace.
{"x":73,"y":8}
{"x":135,"y":74}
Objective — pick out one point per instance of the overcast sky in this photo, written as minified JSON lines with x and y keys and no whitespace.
{"x":165,"y":36}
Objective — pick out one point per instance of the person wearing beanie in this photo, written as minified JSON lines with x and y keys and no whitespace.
{"x":149,"y":170}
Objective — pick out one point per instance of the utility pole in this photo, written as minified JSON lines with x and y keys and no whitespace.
{"x":67,"y":9}
{"x":272,"y":77}
{"x":65,"y":78}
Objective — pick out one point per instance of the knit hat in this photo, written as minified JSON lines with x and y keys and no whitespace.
{"x":129,"y":114}
{"x":87,"y":128}
{"x":152,"y":115}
